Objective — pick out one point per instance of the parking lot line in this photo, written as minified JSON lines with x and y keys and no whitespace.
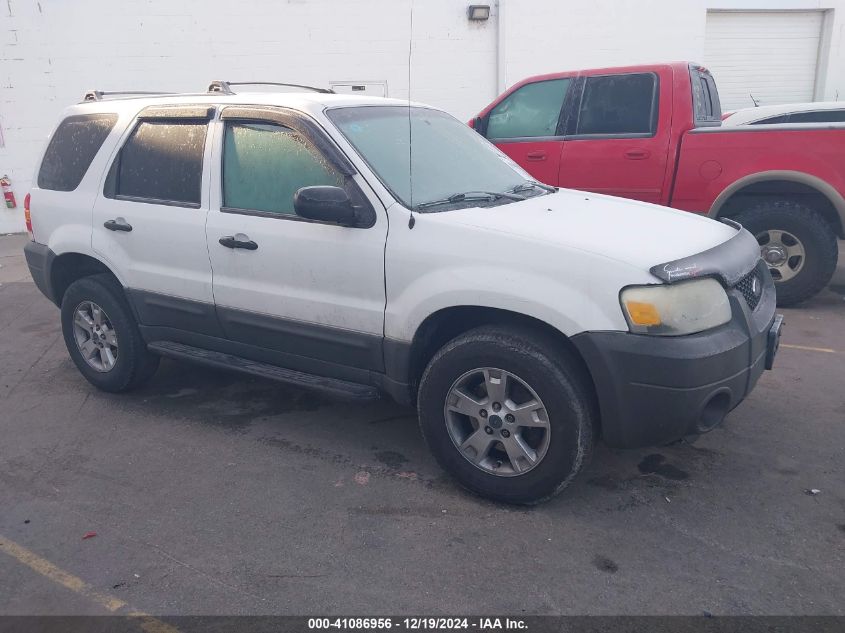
{"x":47,"y":569}
{"x":806,"y":348}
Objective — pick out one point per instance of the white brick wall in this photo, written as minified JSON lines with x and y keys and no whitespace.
{"x":52,"y":51}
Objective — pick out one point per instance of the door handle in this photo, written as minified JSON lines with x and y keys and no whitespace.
{"x":637,"y":154}
{"x":118,"y":224}
{"x":536,"y":156}
{"x":238,"y":241}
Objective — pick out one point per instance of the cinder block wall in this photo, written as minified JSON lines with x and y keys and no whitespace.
{"x":52,"y":51}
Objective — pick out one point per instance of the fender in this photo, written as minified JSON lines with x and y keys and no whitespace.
{"x":814,"y":182}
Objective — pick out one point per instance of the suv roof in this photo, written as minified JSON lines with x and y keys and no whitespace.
{"x":311,"y":102}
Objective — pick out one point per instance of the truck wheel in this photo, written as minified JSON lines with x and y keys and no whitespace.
{"x":796,"y":243}
{"x":102,"y":337}
{"x":507,"y":414}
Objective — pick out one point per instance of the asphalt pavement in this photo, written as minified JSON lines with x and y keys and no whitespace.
{"x":218,"y":493}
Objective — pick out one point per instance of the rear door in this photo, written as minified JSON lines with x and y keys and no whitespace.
{"x":527,"y":125}
{"x":616,"y":142}
{"x":149,"y":218}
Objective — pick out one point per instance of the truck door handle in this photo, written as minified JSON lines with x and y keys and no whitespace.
{"x":118,"y":224}
{"x":637,"y":154}
{"x":536,"y":156}
{"x":238,"y":241}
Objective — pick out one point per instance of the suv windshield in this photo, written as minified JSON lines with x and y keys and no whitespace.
{"x":451,"y":165}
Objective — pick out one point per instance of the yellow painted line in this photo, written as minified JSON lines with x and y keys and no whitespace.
{"x":59,"y":576}
{"x":826,"y":350}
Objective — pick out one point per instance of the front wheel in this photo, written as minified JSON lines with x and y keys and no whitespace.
{"x":508,"y":413}
{"x":796,"y":243}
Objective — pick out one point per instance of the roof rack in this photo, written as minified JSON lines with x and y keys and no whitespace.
{"x":97,"y":95}
{"x":226,"y":86}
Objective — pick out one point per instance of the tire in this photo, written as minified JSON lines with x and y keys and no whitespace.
{"x":556,"y":379}
{"x":814,"y":236}
{"x":132,"y":364}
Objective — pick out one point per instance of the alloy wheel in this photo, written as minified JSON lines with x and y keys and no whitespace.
{"x":95,"y":336}
{"x":783,"y":253}
{"x":497,"y":422}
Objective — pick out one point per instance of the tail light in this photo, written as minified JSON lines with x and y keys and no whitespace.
{"x":28,"y":217}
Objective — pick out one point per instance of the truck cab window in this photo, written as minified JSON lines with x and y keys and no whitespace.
{"x":619,"y":104}
{"x":531,"y":111}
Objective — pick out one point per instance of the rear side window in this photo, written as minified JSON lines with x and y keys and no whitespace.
{"x":619,"y":105}
{"x":162,"y":162}
{"x":71,"y":150}
{"x":533,"y":110}
{"x":265,"y":164}
{"x":705,"y":98}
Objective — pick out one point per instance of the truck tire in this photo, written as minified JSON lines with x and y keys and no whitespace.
{"x":798,"y":245}
{"x":102,"y":336}
{"x":507,"y":413}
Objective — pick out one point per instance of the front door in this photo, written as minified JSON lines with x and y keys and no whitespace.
{"x":310,"y":291}
{"x":526,"y":125}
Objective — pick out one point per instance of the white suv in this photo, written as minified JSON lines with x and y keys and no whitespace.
{"x":370,"y":246}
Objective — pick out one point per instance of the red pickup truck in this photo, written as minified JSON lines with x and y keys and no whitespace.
{"x":654,"y":133}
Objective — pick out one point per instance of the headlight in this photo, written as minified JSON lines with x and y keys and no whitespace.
{"x":675,"y":309}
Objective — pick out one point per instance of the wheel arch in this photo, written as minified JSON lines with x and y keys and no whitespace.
{"x":68,"y":267}
{"x":814,"y":191}
{"x":445,"y":324}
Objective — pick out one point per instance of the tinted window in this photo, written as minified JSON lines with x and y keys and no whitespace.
{"x":705,"y":97}
{"x":783,"y":118}
{"x":618,"y":104}
{"x":819,"y":116}
{"x":162,"y":160}
{"x":533,"y":110}
{"x":71,"y":150}
{"x":265,"y":164}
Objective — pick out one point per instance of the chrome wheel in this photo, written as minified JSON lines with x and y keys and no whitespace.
{"x":95,"y":336}
{"x":782,"y":252}
{"x":497,"y":422}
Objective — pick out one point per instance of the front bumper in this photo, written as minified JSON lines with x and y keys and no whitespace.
{"x":653,"y":390}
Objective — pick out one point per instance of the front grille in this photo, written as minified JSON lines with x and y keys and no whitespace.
{"x":751,"y":287}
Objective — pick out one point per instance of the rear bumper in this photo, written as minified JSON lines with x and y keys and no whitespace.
{"x":654,"y":390}
{"x":39,"y":258}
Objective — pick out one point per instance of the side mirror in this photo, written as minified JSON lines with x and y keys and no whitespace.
{"x":326,"y":204}
{"x":479,"y":124}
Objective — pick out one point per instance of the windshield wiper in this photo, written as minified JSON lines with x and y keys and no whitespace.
{"x":470,"y":195}
{"x":531,"y":184}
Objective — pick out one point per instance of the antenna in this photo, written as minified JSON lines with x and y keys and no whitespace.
{"x":411,"y":221}
{"x":756,"y":103}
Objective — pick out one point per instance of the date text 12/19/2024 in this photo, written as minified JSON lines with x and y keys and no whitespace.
{"x":417,"y":623}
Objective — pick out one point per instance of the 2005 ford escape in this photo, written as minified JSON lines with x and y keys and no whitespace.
{"x":367,"y":246}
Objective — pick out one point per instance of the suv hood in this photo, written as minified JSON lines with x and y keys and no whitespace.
{"x":637,"y":233}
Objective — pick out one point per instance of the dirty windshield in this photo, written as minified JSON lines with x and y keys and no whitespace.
{"x":449,"y":165}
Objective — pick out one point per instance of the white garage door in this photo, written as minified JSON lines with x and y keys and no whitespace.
{"x":771,"y":56}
